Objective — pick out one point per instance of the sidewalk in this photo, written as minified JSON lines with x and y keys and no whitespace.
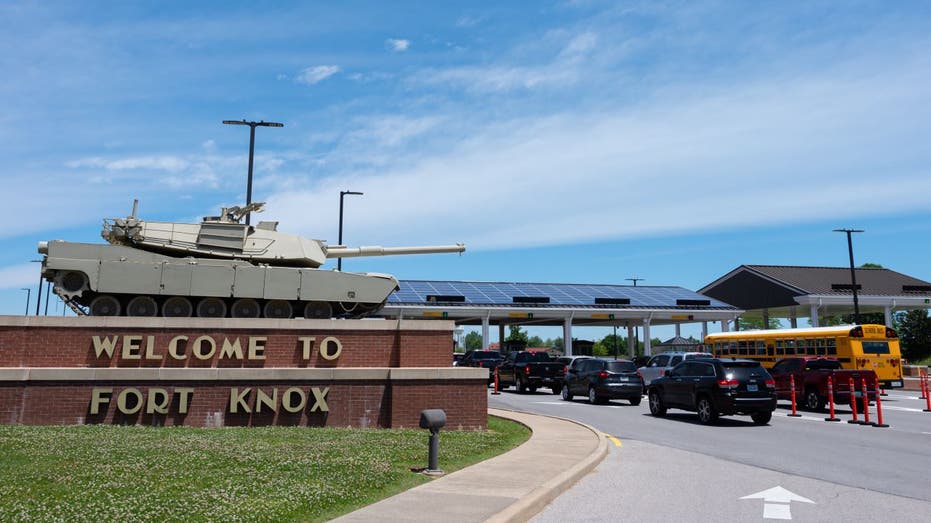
{"x":511,"y":487}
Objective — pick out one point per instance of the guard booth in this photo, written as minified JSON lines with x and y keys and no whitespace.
{"x":508,"y":346}
{"x":583,"y":347}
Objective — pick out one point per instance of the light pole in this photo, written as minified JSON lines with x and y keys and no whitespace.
{"x":252,"y":126}
{"x":28,"y":295}
{"x":39,"y":294}
{"x":339,"y":261}
{"x":853,"y":274}
{"x":636,"y":328}
{"x":48,"y":290}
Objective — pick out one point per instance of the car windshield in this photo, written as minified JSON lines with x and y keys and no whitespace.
{"x":622,"y":366}
{"x":486,"y":355}
{"x":741,"y":370}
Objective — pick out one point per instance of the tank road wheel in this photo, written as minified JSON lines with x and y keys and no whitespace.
{"x":177,"y":307}
{"x":318,"y":310}
{"x":211,"y":308}
{"x":105,"y":305}
{"x":277,"y":309}
{"x":73,"y":282}
{"x":142,"y":306}
{"x":245,"y":308}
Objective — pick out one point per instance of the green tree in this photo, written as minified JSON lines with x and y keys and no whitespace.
{"x":536,"y":341}
{"x":747,"y":324}
{"x":515,"y":333}
{"x":473,"y":340}
{"x":914,"y":330}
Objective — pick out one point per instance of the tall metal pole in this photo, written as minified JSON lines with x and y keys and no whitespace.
{"x":39,"y":294}
{"x":339,"y":261}
{"x":853,"y":274}
{"x":28,"y":295}
{"x":252,"y":126}
{"x":48,"y":291}
{"x":636,"y":329}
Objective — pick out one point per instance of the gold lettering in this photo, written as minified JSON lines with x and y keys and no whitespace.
{"x":173,"y":347}
{"x":320,"y":399}
{"x":198,"y":348}
{"x":264,"y":399}
{"x":257,"y":347}
{"x":132,"y":347}
{"x":150,"y":349}
{"x":326,"y":350}
{"x":184,"y":396}
{"x":239,"y":398}
{"x":98,"y":398}
{"x":105,"y":345}
{"x":231,"y":350}
{"x":153,"y":405}
{"x":288,"y":404}
{"x":121,"y":400}
{"x":308,"y":343}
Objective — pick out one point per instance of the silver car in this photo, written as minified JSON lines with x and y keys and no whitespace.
{"x":659,"y":364}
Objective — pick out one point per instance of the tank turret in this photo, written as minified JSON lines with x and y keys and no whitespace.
{"x":217,"y":268}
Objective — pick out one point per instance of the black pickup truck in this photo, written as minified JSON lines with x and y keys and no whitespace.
{"x":531,"y":370}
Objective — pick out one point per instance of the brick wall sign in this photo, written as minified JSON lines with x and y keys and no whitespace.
{"x":226,"y":372}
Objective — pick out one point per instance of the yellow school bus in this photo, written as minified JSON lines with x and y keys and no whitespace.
{"x":873,"y":347}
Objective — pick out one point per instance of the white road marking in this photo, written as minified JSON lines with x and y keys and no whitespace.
{"x":903,"y":409}
{"x":777,"y":502}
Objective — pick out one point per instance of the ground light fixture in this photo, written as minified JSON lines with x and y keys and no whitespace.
{"x":853,"y":274}
{"x":252,"y":126}
{"x":434,"y":420}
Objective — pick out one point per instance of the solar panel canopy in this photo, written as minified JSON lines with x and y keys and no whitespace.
{"x":464,"y":293}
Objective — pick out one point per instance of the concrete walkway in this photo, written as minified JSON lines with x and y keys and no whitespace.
{"x":511,"y":487}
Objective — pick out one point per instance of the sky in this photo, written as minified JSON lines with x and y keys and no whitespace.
{"x":561,"y":141}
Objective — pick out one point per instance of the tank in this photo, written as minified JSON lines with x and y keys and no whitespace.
{"x":217,"y":268}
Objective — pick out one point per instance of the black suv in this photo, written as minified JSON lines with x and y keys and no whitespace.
{"x":488,"y":359}
{"x":715,"y":387}
{"x":602,"y":380}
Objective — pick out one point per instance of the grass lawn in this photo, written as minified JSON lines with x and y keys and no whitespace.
{"x":111,"y":473}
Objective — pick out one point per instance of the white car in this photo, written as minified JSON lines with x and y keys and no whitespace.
{"x":659,"y":364}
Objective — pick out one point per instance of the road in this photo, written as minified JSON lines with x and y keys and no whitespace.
{"x":844,"y":469}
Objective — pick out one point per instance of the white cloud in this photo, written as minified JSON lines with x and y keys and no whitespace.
{"x":160,"y":163}
{"x":22,"y":275}
{"x":398,"y":45}
{"x":317,"y":74}
{"x":697,"y":157}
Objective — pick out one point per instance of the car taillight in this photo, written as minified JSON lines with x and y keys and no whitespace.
{"x":728,"y":383}
{"x":481,"y":363}
{"x":602,"y":374}
{"x":527,"y":369}
{"x":565,"y":369}
{"x":770,"y":382}
{"x":640,"y":375}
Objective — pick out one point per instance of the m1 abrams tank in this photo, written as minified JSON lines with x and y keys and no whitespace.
{"x":217,"y":268}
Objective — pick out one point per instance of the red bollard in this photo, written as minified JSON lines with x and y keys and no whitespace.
{"x":866,"y":402}
{"x":792,"y":384}
{"x":831,"y":399}
{"x":922,"y":385}
{"x":853,"y":403}
{"x":927,"y":393}
{"x":496,"y":382}
{"x":879,"y":409}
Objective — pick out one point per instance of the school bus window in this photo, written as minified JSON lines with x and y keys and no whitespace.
{"x":831,"y":346}
{"x":811,"y":346}
{"x":780,"y":348}
{"x":732,"y":348}
{"x":742,"y":348}
{"x":819,"y":346}
{"x":790,"y":347}
{"x":760,"y":348}
{"x":801,"y":346}
{"x":876,"y":347}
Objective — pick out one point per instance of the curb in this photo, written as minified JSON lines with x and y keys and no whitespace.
{"x":534,"y":502}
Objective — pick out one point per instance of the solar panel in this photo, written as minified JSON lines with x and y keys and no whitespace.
{"x":558,"y":294}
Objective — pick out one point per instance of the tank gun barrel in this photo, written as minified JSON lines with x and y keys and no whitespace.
{"x":341,"y":251}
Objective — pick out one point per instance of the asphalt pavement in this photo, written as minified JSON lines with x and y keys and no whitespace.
{"x":511,"y":487}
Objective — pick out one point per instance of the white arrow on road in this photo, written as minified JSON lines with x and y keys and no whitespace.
{"x":770,"y":497}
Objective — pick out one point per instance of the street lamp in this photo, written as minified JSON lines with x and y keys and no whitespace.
{"x":339,"y":261}
{"x":636,"y":328}
{"x":39,"y":294}
{"x":853,"y":274}
{"x":28,"y":295}
{"x":252,"y":126}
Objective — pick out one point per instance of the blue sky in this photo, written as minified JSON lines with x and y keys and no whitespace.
{"x":565,"y":141}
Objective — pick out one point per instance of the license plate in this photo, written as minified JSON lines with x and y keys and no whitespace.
{"x":752,"y":388}
{"x":896,"y":383}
